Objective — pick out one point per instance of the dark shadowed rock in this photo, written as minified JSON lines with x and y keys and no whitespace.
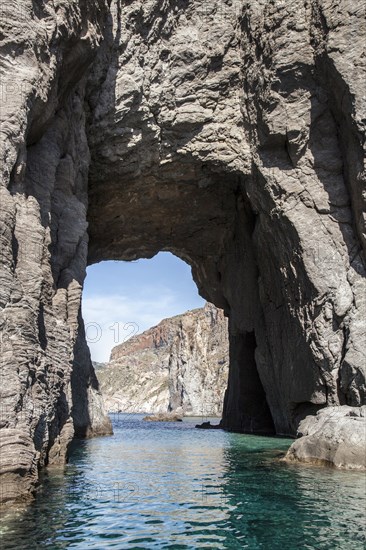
{"x":208,"y":426}
{"x":229,"y":133}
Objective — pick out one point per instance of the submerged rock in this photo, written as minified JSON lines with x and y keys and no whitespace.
{"x":164,"y":417}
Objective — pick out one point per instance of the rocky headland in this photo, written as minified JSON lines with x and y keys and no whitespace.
{"x":182,"y":365}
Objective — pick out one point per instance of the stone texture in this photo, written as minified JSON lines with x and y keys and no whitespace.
{"x":179,"y":365}
{"x":335,"y":436}
{"x":230,"y":133}
{"x":45,"y":50}
{"x":213,"y":134}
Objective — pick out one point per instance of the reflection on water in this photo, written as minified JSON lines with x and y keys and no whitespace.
{"x":154,"y":485}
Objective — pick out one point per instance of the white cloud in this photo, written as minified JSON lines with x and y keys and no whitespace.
{"x":112,"y":319}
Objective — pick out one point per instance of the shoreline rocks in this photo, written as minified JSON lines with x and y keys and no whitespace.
{"x":336,"y":436}
{"x":164,"y":417}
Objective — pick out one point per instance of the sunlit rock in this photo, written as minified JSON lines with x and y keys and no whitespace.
{"x":181,"y":364}
{"x":229,"y":133}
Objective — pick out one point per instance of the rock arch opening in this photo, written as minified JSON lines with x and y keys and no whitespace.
{"x":203,"y":216}
{"x":166,"y":127}
{"x":124,"y":299}
{"x":161,"y":348}
{"x":183,"y":160}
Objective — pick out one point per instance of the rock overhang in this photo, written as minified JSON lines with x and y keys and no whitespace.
{"x":193,"y":131}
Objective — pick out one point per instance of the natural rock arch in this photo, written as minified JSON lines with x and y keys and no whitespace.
{"x":229,"y":134}
{"x":184,"y":159}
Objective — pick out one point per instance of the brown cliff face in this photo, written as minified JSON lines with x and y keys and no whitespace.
{"x":231,"y":134}
{"x":181,"y":364}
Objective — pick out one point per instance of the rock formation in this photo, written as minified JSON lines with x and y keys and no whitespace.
{"x":164,"y":417}
{"x":335,"y":436}
{"x":46,"y":50}
{"x":181,"y":364}
{"x":228,"y":132}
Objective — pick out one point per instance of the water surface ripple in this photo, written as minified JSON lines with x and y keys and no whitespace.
{"x":164,"y":485}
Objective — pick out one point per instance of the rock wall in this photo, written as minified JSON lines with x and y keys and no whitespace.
{"x":46,"y":49}
{"x":219,"y":132}
{"x":230,"y":133}
{"x":181,"y":364}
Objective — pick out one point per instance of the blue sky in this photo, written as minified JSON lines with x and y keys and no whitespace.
{"x":121,"y":299}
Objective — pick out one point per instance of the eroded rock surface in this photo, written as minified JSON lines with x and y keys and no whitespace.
{"x":335,"y":436}
{"x":181,"y":364}
{"x":214,"y":134}
{"x":45,"y":50}
{"x":230,"y":133}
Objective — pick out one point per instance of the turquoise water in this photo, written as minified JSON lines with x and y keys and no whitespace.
{"x":164,"y":485}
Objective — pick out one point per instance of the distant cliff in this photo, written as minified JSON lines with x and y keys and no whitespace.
{"x":180,"y":363}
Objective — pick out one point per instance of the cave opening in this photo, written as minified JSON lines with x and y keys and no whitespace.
{"x":201,"y":213}
{"x":246,"y":386}
{"x":122,"y":299}
{"x":156,"y":346}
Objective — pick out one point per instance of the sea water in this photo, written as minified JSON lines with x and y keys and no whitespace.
{"x":170,"y":485}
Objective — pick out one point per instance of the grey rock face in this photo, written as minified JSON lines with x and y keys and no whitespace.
{"x":45,"y":52}
{"x":213,"y":134}
{"x":230,"y":133}
{"x":335,"y":436}
{"x":179,"y":365}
